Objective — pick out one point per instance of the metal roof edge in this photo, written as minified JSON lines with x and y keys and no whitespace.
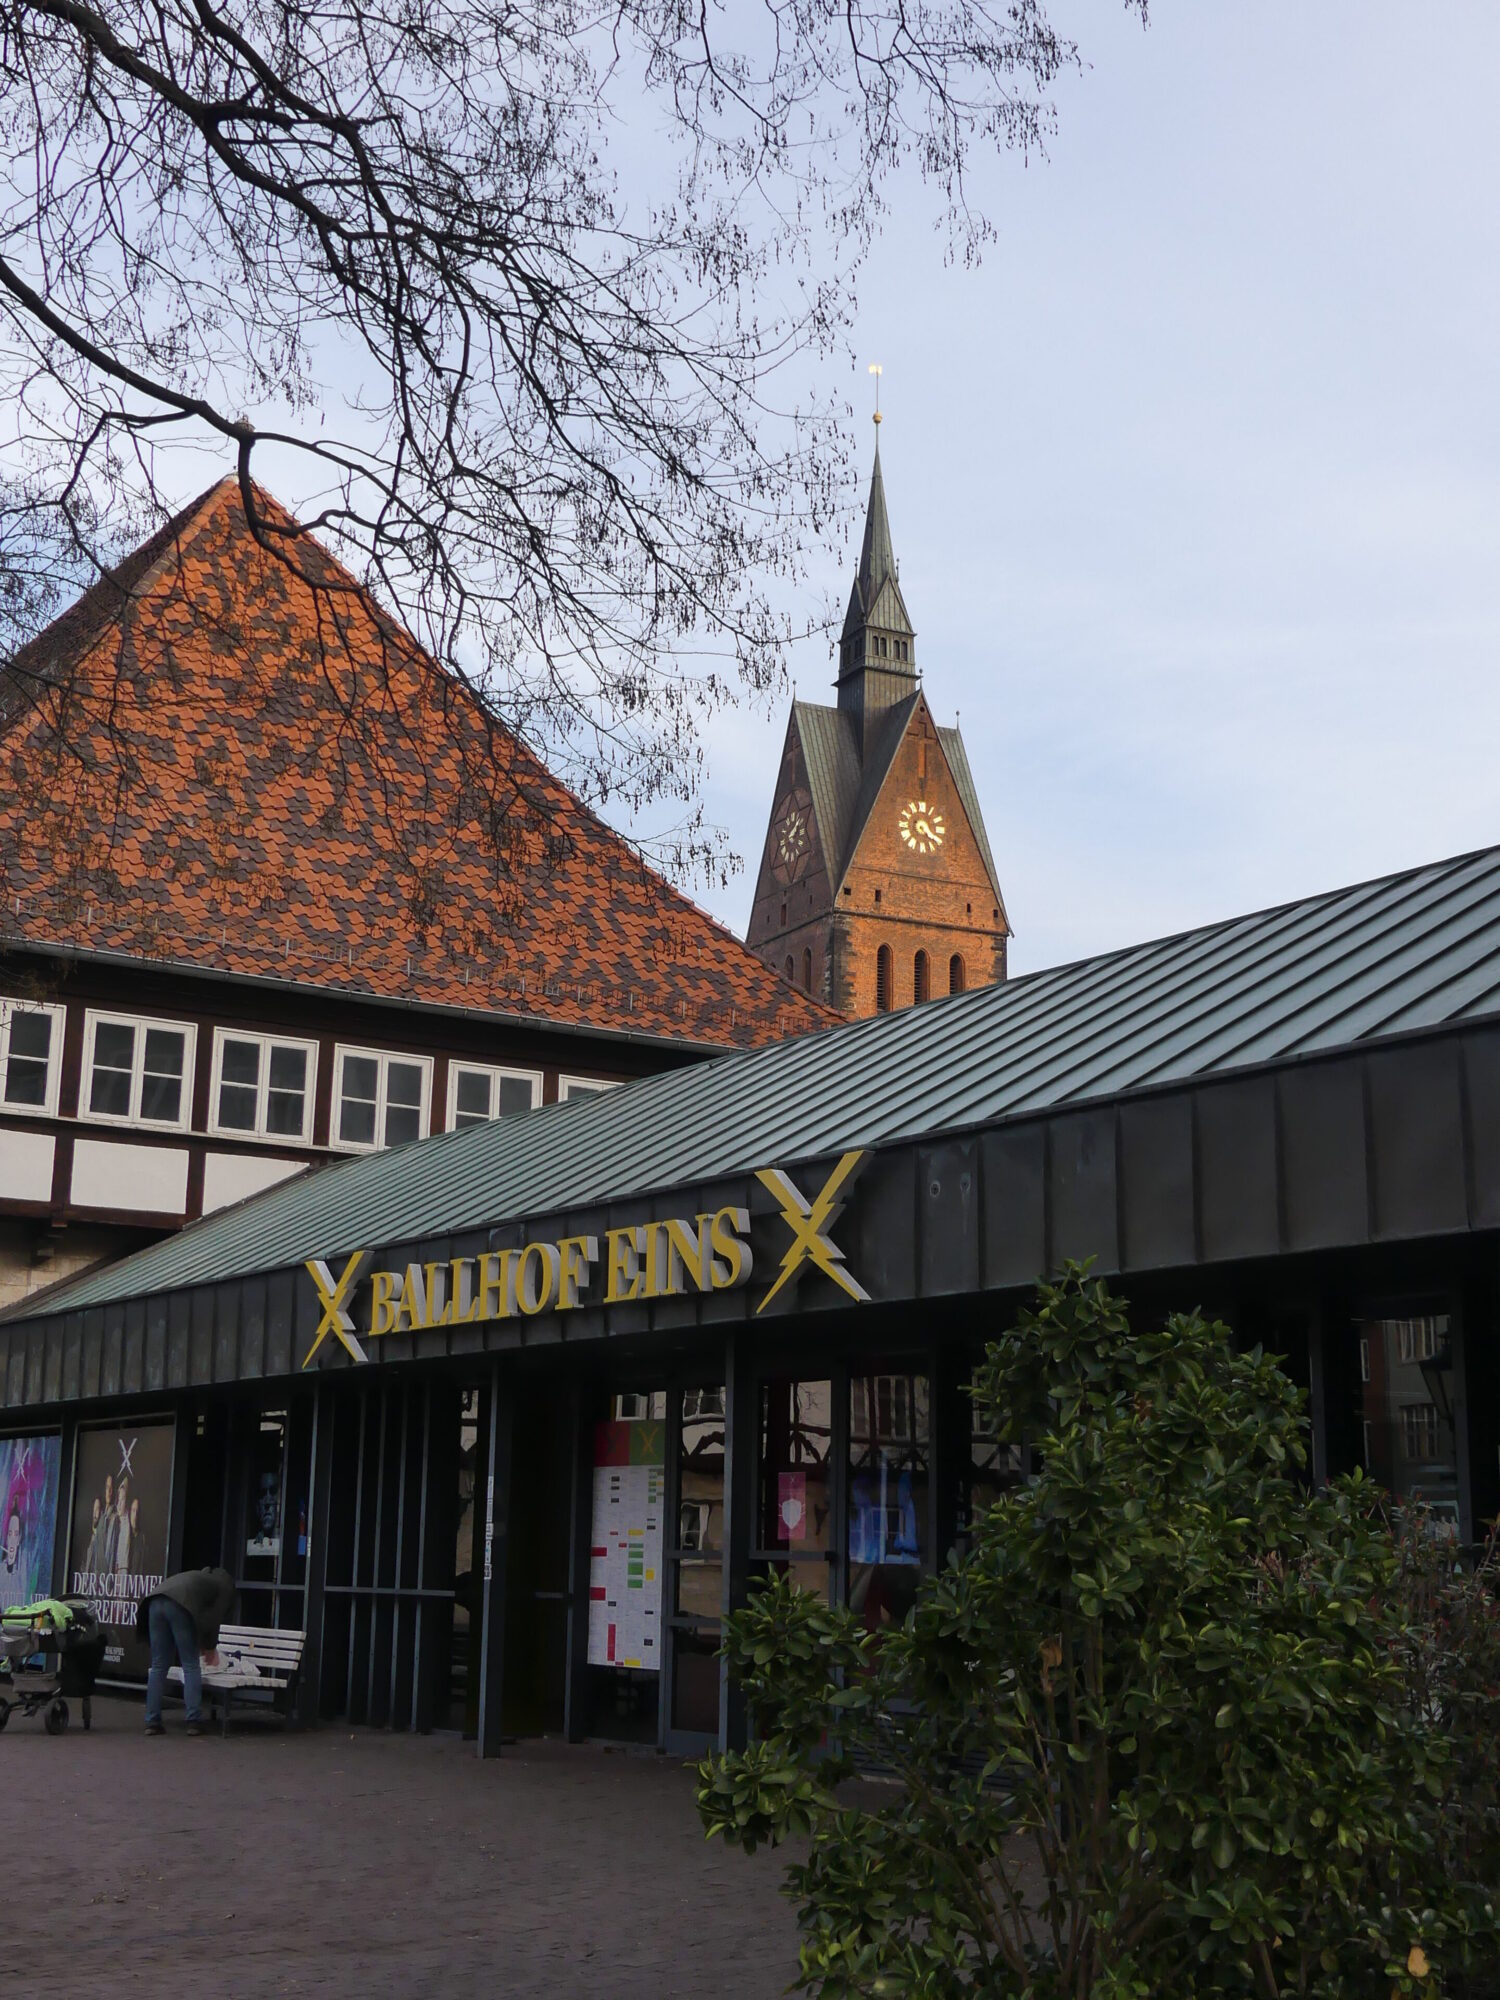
{"x":972,"y":1128}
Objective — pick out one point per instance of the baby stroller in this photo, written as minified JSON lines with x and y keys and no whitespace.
{"x":64,"y":1634}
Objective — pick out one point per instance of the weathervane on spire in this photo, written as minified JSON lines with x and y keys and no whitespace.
{"x":877,"y":371}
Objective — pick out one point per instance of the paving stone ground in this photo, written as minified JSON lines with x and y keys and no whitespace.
{"x":336,"y":1864}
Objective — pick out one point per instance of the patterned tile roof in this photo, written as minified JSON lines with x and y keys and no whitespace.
{"x":234,"y":771}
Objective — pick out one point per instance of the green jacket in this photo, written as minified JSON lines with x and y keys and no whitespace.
{"x":206,"y":1595}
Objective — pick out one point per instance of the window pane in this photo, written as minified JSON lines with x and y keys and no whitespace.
{"x":237,"y":1107}
{"x":286,"y":1101}
{"x":887,"y":1494}
{"x":402,"y":1125}
{"x":161,"y":1079}
{"x":239,"y":1073}
{"x":114,"y":1058}
{"x":515,"y":1096}
{"x":700,"y":1474}
{"x":471,"y":1104}
{"x":795,"y":1505}
{"x":26,"y":1072}
{"x":30,"y":1036}
{"x":403,"y":1084}
{"x":289,"y":1069}
{"x":241,"y":1063}
{"x":1406,"y":1411}
{"x":403,"y":1099}
{"x":357,"y":1100}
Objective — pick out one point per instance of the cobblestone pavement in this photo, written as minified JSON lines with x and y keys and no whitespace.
{"x":337,"y":1863}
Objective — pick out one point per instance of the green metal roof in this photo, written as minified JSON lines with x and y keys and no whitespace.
{"x":1408,"y":953}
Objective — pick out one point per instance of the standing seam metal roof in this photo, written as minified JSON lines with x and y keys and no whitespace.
{"x":1418,"y":950}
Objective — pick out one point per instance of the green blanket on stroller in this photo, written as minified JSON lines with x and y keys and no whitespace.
{"x":33,"y":1615}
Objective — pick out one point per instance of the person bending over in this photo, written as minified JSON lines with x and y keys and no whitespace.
{"x":181,"y":1618}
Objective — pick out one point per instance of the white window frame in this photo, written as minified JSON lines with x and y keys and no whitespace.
{"x":265,"y":1042}
{"x":10,"y":1006}
{"x":97,"y":1017}
{"x":585,"y":1086}
{"x":494,"y":1073}
{"x":384,"y":1058}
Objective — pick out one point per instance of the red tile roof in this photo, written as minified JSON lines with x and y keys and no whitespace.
{"x":235,"y":771}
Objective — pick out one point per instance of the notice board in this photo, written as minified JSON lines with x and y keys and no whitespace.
{"x":625,"y":1546}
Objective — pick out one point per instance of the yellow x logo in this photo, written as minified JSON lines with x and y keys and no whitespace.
{"x":809,"y":1222}
{"x":332,"y":1293}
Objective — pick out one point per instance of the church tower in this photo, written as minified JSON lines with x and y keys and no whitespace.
{"x":877,"y":887}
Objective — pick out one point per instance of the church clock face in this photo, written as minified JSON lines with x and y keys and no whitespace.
{"x":791,"y":842}
{"x":922,"y":826}
{"x":792,"y":838}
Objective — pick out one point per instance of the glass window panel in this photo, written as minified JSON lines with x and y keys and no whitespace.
{"x":161,"y":1076}
{"x":471,"y":1101}
{"x":515,"y":1096}
{"x":402,"y":1124}
{"x":237,"y":1107}
{"x":286,"y":1100}
{"x":403,"y":1084}
{"x":239,"y":1073}
{"x":361,"y":1080}
{"x":114,"y":1062}
{"x":888,"y":1471}
{"x":240,"y":1063}
{"x":700,"y":1471}
{"x":994,"y":1468}
{"x":403,"y":1102}
{"x":695,"y":1683}
{"x":27,"y":1067}
{"x":700,"y":1589}
{"x":288,"y":1069}
{"x":1407,"y":1411}
{"x":795,"y":1509}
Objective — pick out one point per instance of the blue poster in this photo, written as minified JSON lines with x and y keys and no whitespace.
{"x":30,"y":1469}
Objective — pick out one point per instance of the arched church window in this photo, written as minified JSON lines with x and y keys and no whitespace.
{"x":921,"y":978}
{"x":791,"y":970}
{"x":883,"y":980}
{"x":807,"y":971}
{"x":957,"y":975}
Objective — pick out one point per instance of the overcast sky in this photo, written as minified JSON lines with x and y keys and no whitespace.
{"x":1196,"y":482}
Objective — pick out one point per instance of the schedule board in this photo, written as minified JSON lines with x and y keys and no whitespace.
{"x":625,"y":1546}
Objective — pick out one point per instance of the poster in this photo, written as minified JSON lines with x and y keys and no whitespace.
{"x":122,"y":1495}
{"x":30,"y":1469}
{"x":625,"y":1547}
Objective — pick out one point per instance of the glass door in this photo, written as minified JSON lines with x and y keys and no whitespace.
{"x":696,"y":1566}
{"x":795,"y":1529}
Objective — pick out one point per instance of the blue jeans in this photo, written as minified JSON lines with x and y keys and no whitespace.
{"x":174,"y":1637}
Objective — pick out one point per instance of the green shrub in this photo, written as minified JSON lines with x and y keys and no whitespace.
{"x":1151,"y":1736}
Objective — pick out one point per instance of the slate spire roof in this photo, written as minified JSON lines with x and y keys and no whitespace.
{"x":875,"y":595}
{"x":237,"y":770}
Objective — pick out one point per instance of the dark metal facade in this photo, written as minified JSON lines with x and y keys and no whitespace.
{"x":1395,"y":1144}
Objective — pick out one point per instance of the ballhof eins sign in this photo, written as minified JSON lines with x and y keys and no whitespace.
{"x":661,"y":1258}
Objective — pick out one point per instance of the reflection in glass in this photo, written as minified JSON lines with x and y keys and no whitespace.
{"x":994,"y":1468}
{"x":695,"y":1683}
{"x":1406,"y":1410}
{"x":794,"y":1505}
{"x":888,"y":1469}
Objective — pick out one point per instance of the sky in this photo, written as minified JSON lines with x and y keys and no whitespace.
{"x":1195,"y":482}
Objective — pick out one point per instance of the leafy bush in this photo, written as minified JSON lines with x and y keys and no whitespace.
{"x":1450,"y":1656}
{"x":1151,"y":1736}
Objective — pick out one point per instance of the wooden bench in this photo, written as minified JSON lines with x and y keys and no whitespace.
{"x":258,"y":1665}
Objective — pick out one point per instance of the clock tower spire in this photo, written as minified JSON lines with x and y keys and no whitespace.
{"x":877,"y":648}
{"x":877,"y":887}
